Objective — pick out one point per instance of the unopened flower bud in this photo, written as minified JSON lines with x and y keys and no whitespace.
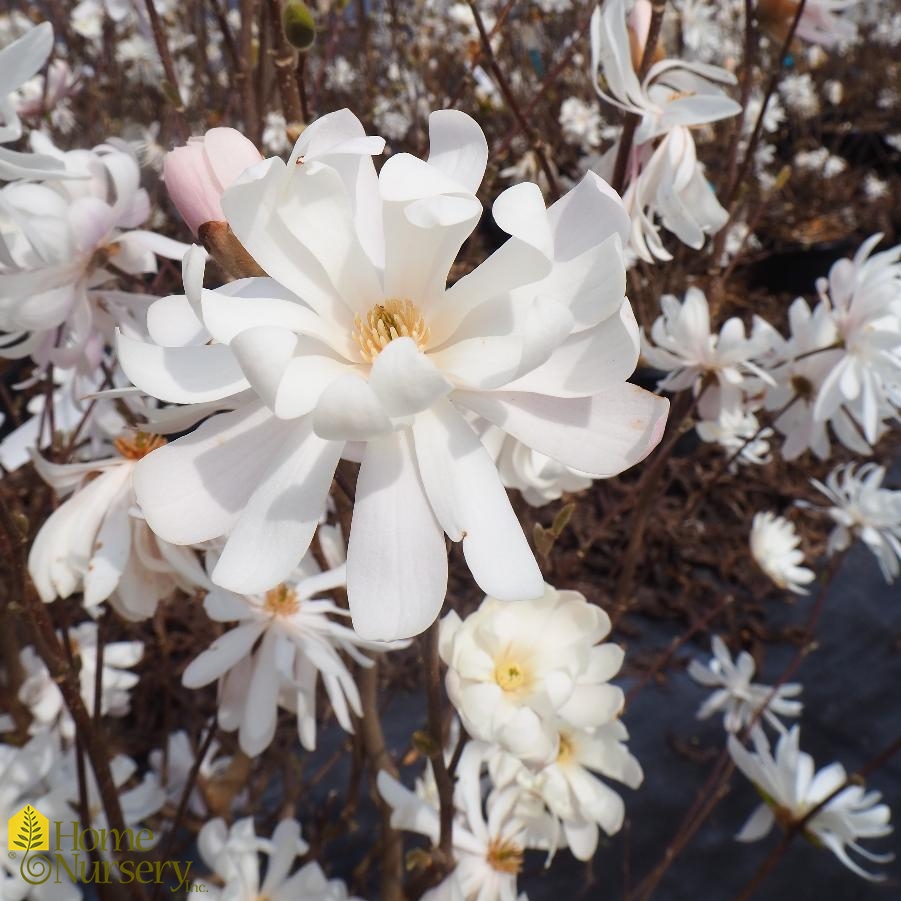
{"x":299,"y":25}
{"x":198,"y":173}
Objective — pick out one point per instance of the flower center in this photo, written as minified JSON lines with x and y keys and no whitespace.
{"x":393,"y":318}
{"x":138,"y":445}
{"x":282,"y":601}
{"x":803,"y":387}
{"x":505,"y":857}
{"x":566,"y":749}
{"x":511,"y":676}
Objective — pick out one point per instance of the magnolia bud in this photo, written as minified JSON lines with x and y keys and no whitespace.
{"x":198,"y":173}
{"x":299,"y":25}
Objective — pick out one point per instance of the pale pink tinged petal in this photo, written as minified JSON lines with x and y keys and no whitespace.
{"x":181,"y":375}
{"x":406,"y":380}
{"x":261,"y":709}
{"x":194,"y":489}
{"x":349,"y":410}
{"x":191,"y":186}
{"x":465,"y":491}
{"x":396,"y":559}
{"x":222,"y":655}
{"x":111,"y":551}
{"x":588,"y":362}
{"x":600,"y":435}
{"x":263,"y":353}
{"x":277,"y":524}
{"x":587,"y":215}
{"x":250,"y":206}
{"x":457,"y":147}
{"x":229,"y":154}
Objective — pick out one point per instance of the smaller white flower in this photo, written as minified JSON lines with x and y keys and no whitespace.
{"x":775,"y":547}
{"x":737,"y":696}
{"x":275,"y":134}
{"x":738,"y":431}
{"x":516,"y":669}
{"x":863,"y":509}
{"x":791,"y":788}
{"x":581,"y":122}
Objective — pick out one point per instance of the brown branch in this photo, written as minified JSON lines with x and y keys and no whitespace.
{"x":162,"y":48}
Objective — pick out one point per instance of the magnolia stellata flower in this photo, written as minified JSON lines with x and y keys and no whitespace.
{"x":233,"y":854}
{"x":791,"y":788}
{"x":864,"y":297}
{"x":18,"y":63}
{"x":741,"y":700}
{"x":40,"y":693}
{"x":68,"y":239}
{"x":93,"y":543}
{"x":683,"y":345}
{"x":862,"y":508}
{"x":569,"y":787}
{"x":284,"y":641}
{"x":738,"y":432}
{"x":357,"y":348}
{"x":774,"y":545}
{"x":488,"y":844}
{"x":517,"y":671}
{"x":197,"y":173}
{"x":663,"y":176}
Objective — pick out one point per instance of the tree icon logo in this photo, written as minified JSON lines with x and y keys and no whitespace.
{"x":28,"y":831}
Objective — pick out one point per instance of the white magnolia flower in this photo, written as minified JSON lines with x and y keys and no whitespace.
{"x":737,"y":696}
{"x":791,"y":788}
{"x":664,"y":177}
{"x":537,"y":477}
{"x":775,"y":546}
{"x":581,"y":122}
{"x":862,"y":508}
{"x":569,"y":786}
{"x":683,"y":345}
{"x":738,"y":431}
{"x":799,"y":94}
{"x":488,"y":845}
{"x":864,"y":297}
{"x":515,"y":671}
{"x":19,"y":61}
{"x":173,"y":767}
{"x":69,"y":238}
{"x":284,"y":641}
{"x":381,"y":362}
{"x":233,"y":854}
{"x":40,"y":693}
{"x":94,"y":543}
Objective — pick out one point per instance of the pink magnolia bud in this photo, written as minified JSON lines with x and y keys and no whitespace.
{"x":198,"y":173}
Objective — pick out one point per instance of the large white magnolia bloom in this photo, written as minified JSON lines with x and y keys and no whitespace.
{"x":356,"y":347}
{"x":97,"y":543}
{"x":19,"y":61}
{"x":862,"y":508}
{"x":518,"y":674}
{"x":61,"y":246}
{"x":664,"y":178}
{"x":284,"y":641}
{"x":791,"y":787}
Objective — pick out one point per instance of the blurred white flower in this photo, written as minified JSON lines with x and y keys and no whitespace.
{"x":173,"y":766}
{"x":275,"y":134}
{"x":94,"y":542}
{"x":799,"y":94}
{"x":863,"y":509}
{"x":581,"y":122}
{"x":515,"y":671}
{"x":738,"y":431}
{"x":284,"y":642}
{"x":791,"y":788}
{"x":775,"y":546}
{"x":664,"y":178}
{"x":233,"y":854}
{"x":683,"y":345}
{"x":381,"y":362}
{"x":740,"y":700}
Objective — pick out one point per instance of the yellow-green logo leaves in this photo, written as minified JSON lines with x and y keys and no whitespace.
{"x":29,"y":830}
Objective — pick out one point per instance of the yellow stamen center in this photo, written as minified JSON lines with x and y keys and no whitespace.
{"x":393,"y":318}
{"x":504,"y":857}
{"x":566,"y":749}
{"x":511,"y":676}
{"x":282,"y":601}
{"x":138,"y":445}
